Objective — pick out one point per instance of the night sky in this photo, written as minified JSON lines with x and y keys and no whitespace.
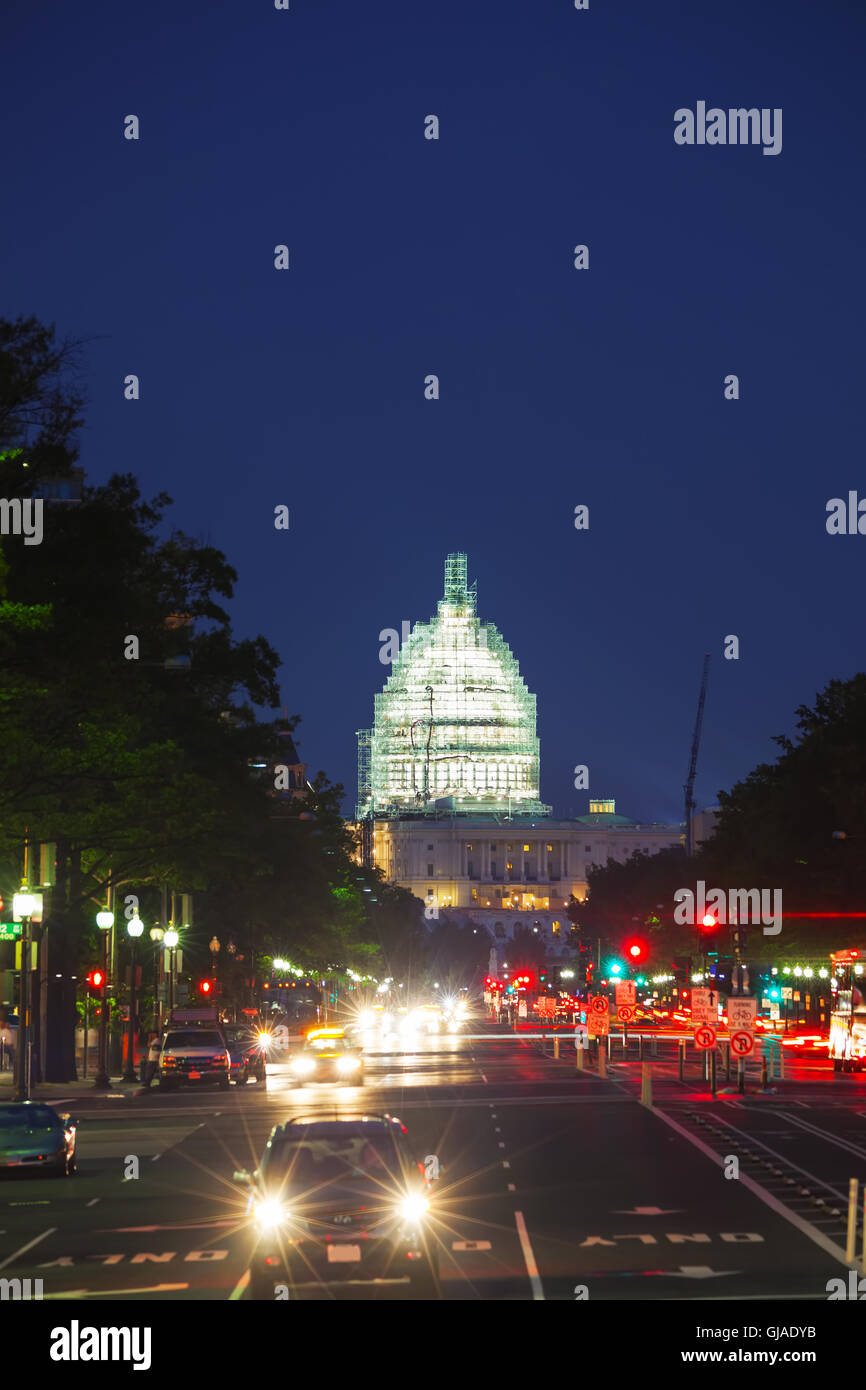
{"x":455,"y":257}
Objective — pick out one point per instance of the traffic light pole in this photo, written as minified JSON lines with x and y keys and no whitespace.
{"x":102,"y":1081}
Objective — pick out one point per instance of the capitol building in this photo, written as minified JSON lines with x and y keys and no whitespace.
{"x":449,"y":784}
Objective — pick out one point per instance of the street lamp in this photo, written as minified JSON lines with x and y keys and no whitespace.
{"x":156,"y":935}
{"x":23,"y":908}
{"x":170,"y":940}
{"x":134,"y":928}
{"x":104,"y":921}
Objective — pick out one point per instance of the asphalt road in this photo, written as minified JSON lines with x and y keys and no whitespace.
{"x":556,"y":1184}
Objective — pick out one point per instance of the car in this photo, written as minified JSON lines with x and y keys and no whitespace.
{"x":35,"y":1138}
{"x":340,"y":1199}
{"x":193,"y":1056}
{"x":246,"y":1053}
{"x":328,"y":1054}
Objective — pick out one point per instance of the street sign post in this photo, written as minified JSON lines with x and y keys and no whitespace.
{"x":741,"y":1015}
{"x":705,"y":1007}
{"x":742,"y":1043}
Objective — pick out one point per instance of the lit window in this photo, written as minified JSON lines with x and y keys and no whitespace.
{"x":550,"y":849}
{"x":526,"y":849}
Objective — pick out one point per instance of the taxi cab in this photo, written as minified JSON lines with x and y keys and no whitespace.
{"x":328,"y":1055}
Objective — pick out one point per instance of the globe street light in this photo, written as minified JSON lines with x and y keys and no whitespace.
{"x":134,"y":929}
{"x":105,"y":921}
{"x":23,"y":907}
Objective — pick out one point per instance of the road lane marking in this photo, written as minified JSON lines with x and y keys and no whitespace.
{"x":811,"y":1232}
{"x":239,"y":1287}
{"x":511,"y":1187}
{"x":29,"y":1246}
{"x":529,"y":1257}
{"x":822,"y":1134}
{"x":471,"y":1245}
{"x":105,"y":1293}
{"x":92,"y":1202}
{"x":505,"y":1163}
{"x":483,"y":1078}
{"x":501,"y":1145}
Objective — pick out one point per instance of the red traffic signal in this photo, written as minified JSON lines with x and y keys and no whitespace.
{"x":96,"y":979}
{"x":636,"y":951}
{"x":205,"y":986}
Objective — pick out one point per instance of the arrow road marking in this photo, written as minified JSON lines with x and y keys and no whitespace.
{"x":471,"y":1245}
{"x":697,"y":1272}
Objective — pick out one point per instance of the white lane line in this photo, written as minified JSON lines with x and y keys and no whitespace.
{"x":501,"y":1145}
{"x":106,"y":1293}
{"x":29,"y":1246}
{"x":240,"y":1286}
{"x":483,"y":1078}
{"x":497,"y":1129}
{"x":92,"y":1202}
{"x":762,"y":1194}
{"x":511,"y":1187}
{"x":823,"y":1134}
{"x":529,"y":1257}
{"x":505,"y":1163}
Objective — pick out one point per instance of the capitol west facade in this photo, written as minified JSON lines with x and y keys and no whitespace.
{"x":449,"y":784}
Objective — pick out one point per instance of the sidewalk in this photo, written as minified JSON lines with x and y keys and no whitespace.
{"x":67,"y":1090}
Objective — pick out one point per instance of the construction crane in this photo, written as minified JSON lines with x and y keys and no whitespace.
{"x":689,"y":787}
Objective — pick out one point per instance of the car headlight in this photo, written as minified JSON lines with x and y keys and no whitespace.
{"x":412,"y":1208}
{"x":270,"y":1214}
{"x":303,"y":1065}
{"x":263,"y":1040}
{"x":347,"y":1064}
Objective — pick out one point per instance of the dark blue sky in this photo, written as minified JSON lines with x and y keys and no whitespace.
{"x":455,"y":257}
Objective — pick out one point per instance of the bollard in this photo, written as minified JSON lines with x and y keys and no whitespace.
{"x":640,"y":1047}
{"x":863,"y":1255}
{"x":646,"y":1085}
{"x":682,"y":1050}
{"x":713,"y":1074}
{"x":579,"y":1051}
{"x":741,"y":1076}
{"x":556,"y":1049}
{"x":608,"y":1046}
{"x":765,"y":1080}
{"x":728,"y":1062}
{"x":602,"y":1060}
{"x":851,"y":1239}
{"x":655,"y":1046}
{"x":781,"y":1061}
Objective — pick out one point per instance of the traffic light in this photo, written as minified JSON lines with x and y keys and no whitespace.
{"x":205,"y":987}
{"x":96,"y":979}
{"x":636,"y":950}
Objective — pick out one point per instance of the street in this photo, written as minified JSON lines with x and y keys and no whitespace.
{"x":556,"y":1184}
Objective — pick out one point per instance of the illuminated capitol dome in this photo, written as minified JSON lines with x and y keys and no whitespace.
{"x":454,"y":727}
{"x":448,"y":785}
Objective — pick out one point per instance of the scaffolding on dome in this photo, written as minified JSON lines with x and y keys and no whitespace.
{"x":454,"y":727}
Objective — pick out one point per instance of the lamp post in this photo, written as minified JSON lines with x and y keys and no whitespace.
{"x":134,"y":928}
{"x":23,"y":907}
{"x":171,"y":939}
{"x":102,"y":1081}
{"x":214,"y":952}
{"x":156,"y":935}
